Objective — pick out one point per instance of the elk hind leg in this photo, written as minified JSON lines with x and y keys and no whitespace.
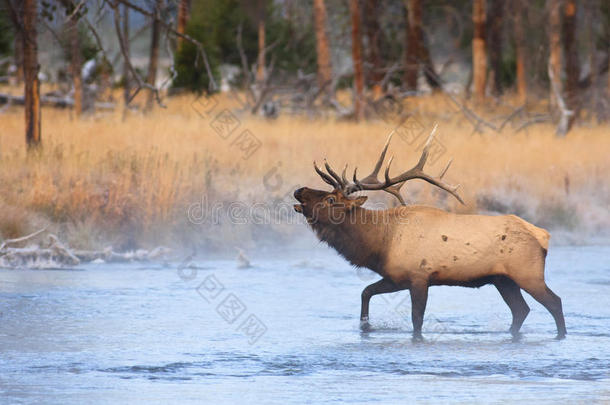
{"x":511,"y":293}
{"x":551,"y":302}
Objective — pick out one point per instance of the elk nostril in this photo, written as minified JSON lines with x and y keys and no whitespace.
{"x":298,"y":192}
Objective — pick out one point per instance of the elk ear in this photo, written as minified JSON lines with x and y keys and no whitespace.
{"x":357,"y":202}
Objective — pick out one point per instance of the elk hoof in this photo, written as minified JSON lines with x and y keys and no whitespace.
{"x":417,"y":337}
{"x":560,"y":336}
{"x":365,"y":326}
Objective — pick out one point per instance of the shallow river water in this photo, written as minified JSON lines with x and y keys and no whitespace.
{"x":287,"y":331}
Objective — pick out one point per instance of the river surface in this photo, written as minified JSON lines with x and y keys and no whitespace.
{"x":287,"y":331}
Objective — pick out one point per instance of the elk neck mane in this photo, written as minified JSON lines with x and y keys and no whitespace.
{"x":361,"y":238}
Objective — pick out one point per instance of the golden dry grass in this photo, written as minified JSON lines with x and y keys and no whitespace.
{"x":104,"y":180}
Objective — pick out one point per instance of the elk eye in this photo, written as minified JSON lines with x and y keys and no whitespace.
{"x":330,"y":200}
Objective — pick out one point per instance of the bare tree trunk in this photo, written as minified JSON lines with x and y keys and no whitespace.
{"x":15,"y":11}
{"x":260,"y":61}
{"x":357,"y":60}
{"x":18,"y":57}
{"x":571,"y":57}
{"x":591,"y":9}
{"x":494,"y":21}
{"x":608,"y":81}
{"x":417,"y":54}
{"x":126,"y":72}
{"x":30,"y":69}
{"x":373,"y":33}
{"x":75,"y":65}
{"x":559,"y":107}
{"x":432,"y":78}
{"x":325,"y":70}
{"x":154,"y":56}
{"x":479,"y":55}
{"x":555,"y":61}
{"x":519,"y":31}
{"x":184,"y":7}
{"x":414,"y":43}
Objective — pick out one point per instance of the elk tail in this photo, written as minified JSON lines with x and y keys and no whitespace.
{"x":541,"y":235}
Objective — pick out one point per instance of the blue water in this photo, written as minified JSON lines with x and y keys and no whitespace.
{"x":287,"y":331}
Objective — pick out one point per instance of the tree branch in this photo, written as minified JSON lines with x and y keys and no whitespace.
{"x":200,"y":50}
{"x":134,"y":73}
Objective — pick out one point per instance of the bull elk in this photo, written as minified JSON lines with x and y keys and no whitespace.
{"x":414,"y":247}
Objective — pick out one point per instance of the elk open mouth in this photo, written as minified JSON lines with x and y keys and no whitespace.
{"x":298,"y":195}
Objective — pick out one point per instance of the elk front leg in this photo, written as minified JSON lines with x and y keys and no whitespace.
{"x":419,"y":298}
{"x":380,"y":287}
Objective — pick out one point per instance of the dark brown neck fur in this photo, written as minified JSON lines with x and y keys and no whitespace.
{"x":361,"y":238}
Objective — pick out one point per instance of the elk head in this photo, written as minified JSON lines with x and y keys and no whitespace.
{"x":327,"y":207}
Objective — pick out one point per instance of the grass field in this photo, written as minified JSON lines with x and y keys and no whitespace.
{"x":104,"y":180}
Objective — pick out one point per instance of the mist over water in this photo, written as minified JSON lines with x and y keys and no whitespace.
{"x":287,"y":331}
{"x":262,"y":217}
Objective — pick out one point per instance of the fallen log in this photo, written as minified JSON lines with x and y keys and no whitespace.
{"x":21,"y":239}
{"x":35,"y":258}
{"x":54,"y":254}
{"x":52,"y":101}
{"x":109,"y":256}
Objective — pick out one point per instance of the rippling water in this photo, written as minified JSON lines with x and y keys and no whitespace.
{"x":287,"y":331}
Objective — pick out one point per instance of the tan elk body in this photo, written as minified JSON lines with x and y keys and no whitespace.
{"x":415,"y":247}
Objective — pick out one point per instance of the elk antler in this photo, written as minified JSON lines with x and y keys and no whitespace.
{"x":390,"y":185}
